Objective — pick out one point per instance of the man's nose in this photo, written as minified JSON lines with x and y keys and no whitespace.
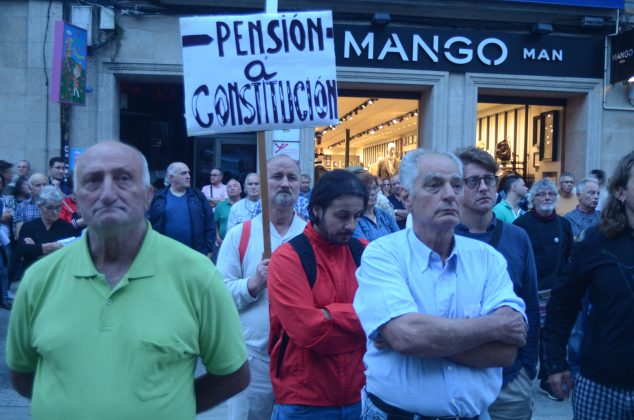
{"x":108,"y":190}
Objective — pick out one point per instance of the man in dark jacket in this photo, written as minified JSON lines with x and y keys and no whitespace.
{"x":551,"y":239}
{"x":182,"y":213}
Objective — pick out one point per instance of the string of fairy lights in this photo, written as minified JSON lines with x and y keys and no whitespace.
{"x":349,"y":116}
{"x":376,"y":130}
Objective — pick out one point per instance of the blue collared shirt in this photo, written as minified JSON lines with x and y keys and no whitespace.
{"x":398,"y":275}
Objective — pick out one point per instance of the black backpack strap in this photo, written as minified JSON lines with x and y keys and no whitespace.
{"x":356,"y":248}
{"x":304,"y":250}
{"x":497,"y":233}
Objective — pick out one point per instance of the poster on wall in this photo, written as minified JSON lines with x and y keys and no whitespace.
{"x":259,"y":72}
{"x":68,"y":84}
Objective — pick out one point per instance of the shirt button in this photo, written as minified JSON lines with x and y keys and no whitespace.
{"x":453,"y":400}
{"x":109,"y":301}
{"x":450,"y":368}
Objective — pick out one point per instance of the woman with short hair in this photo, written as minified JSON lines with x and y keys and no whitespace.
{"x":41,"y":236}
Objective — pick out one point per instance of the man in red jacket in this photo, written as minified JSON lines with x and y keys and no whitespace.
{"x":316,"y":341}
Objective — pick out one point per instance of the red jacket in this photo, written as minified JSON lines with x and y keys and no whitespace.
{"x":323,"y":363}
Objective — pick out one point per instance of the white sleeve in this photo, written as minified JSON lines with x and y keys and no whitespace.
{"x":229,"y":265}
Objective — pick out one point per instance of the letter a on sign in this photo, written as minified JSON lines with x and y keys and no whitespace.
{"x":259,"y":72}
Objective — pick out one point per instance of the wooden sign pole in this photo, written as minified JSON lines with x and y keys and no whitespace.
{"x":264,"y":195}
{"x":271,"y":7}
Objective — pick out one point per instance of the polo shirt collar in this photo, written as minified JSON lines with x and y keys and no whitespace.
{"x":142,"y":266}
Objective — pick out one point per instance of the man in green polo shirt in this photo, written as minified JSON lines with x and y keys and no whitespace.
{"x":111,"y":326}
{"x":221,"y":215}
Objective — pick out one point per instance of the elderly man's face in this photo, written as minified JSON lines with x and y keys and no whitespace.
{"x":110,"y":189}
{"x":252,"y":186}
{"x":283,"y":180}
{"x":215,"y":177}
{"x":233,"y":188}
{"x":566,"y":184}
{"x":181,"y":179}
{"x":437,"y":195}
{"x":545,"y":202}
{"x":589,"y":197}
{"x":22,"y":168}
{"x":395,"y":182}
{"x":37,"y":184}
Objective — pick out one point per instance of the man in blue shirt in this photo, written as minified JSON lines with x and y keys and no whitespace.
{"x":438,"y":309}
{"x":182,"y":212}
{"x":479,"y":222}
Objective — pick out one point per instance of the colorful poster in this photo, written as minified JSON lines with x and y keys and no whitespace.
{"x":68,"y":84}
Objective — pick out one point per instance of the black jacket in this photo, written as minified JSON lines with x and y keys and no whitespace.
{"x":607,"y":267}
{"x":203,"y":228}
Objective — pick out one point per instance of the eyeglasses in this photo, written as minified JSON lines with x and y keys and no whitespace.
{"x":215,"y":174}
{"x":52,"y":208}
{"x":543,"y":194}
{"x":473,"y":182}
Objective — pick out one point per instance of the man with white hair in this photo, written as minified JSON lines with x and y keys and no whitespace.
{"x":585,"y":215}
{"x":182,"y":213}
{"x":438,"y":309}
{"x":551,"y":239}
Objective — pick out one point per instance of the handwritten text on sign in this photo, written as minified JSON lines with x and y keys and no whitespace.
{"x":259,"y":72}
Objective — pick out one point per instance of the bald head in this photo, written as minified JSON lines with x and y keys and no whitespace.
{"x":110,"y":146}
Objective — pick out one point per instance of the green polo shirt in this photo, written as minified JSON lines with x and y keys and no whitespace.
{"x":221,"y":217}
{"x":504,"y":212}
{"x":128,"y":352}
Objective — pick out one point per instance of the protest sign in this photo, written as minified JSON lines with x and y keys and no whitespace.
{"x":259,"y":72}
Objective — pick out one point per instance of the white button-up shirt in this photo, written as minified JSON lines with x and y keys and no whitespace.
{"x":400,"y":275}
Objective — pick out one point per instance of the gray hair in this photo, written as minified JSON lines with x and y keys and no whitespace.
{"x":170,"y":171}
{"x":542,"y":185}
{"x":49,"y":193}
{"x":410,"y":170}
{"x":36,"y":175}
{"x":582,"y":184}
{"x":566,"y":174}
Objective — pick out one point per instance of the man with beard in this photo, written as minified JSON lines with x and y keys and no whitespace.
{"x":551,"y":239}
{"x":314,"y":329}
{"x":182,"y":213}
{"x":246,"y":273}
{"x":478,"y":222}
{"x":438,"y":309}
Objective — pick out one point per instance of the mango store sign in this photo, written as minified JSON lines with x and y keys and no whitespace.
{"x":259,"y":72}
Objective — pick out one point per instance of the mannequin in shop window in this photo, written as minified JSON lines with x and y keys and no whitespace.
{"x":391,"y":164}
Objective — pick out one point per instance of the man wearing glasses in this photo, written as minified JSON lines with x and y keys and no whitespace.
{"x":551,"y":239}
{"x":479,"y":222}
{"x":216,"y":191}
{"x":568,"y":201}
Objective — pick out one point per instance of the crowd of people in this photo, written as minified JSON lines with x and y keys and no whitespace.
{"x":433,"y":289}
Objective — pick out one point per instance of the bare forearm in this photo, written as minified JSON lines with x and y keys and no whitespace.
{"x":488,"y":355}
{"x":211,"y":390}
{"x":429,"y":336}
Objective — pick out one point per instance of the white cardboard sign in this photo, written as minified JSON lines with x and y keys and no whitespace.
{"x":259,"y":72}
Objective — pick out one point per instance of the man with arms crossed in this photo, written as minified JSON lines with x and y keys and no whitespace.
{"x":111,"y":326}
{"x":438,"y":309}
